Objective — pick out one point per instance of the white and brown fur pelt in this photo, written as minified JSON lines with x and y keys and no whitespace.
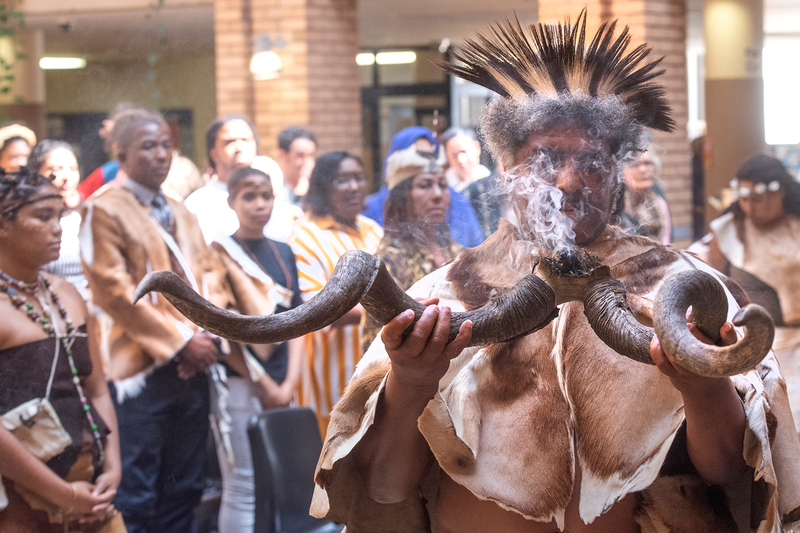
{"x":560,"y":396}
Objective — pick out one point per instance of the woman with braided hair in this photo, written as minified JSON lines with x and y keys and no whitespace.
{"x":59,"y":450}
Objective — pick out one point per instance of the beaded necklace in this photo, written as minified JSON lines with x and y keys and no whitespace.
{"x":13,"y":288}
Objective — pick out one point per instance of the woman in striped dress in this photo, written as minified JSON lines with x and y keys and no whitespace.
{"x":336,"y":194}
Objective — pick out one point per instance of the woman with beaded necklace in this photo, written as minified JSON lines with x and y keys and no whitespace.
{"x":45,"y":352}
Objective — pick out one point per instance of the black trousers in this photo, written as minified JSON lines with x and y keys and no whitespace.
{"x":163,"y":433}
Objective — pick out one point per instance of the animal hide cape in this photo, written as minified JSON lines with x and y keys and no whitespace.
{"x":510,"y":420}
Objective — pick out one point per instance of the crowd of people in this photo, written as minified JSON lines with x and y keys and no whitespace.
{"x":251,"y":234}
{"x":108,"y":404}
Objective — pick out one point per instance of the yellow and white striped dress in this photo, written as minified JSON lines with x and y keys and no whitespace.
{"x":332,"y":353}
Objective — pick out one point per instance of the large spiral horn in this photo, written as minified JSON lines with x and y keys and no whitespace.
{"x":709,"y":305}
{"x":606,"y":307}
{"x":608,"y":312}
{"x":359,"y":277}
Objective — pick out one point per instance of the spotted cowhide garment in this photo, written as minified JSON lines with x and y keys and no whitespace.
{"x":511,"y":419}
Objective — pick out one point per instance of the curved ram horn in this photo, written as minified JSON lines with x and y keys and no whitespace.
{"x":351,"y":278}
{"x":606,"y":307}
{"x":608,"y":312}
{"x":704,"y":293}
{"x":359,"y":277}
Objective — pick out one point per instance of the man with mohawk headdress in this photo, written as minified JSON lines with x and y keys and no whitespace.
{"x":554,"y":430}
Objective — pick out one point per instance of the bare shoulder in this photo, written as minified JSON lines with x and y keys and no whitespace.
{"x":16,"y":328}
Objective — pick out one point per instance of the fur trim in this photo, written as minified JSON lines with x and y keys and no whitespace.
{"x":408,"y":163}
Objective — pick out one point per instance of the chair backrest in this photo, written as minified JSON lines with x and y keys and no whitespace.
{"x":285,"y":444}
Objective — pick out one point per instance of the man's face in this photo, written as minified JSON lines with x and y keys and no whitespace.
{"x":298,"y":162}
{"x":147,"y":158}
{"x":235,"y":148}
{"x":463,"y":156}
{"x":569,"y":162}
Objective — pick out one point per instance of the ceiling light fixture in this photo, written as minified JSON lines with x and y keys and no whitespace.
{"x":61,"y":63}
{"x":395,"y":58}
{"x":364,"y":59}
{"x":266,"y":64}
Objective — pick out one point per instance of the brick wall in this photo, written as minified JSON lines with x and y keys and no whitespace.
{"x":661,"y":23}
{"x":319,"y":83}
{"x":233,"y":46}
{"x":335,"y":109}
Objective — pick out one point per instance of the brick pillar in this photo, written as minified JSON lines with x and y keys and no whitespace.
{"x":335,"y":106}
{"x":233,"y":45}
{"x":319,"y":83}
{"x":660,"y":23}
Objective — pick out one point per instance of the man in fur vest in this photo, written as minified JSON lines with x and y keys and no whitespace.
{"x":554,"y":430}
{"x":157,"y":359}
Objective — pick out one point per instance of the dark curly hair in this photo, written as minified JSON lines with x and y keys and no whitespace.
{"x":42,"y":151}
{"x":320,"y":183}
{"x":234,"y":183}
{"x":764,"y":169}
{"x":290,"y":134}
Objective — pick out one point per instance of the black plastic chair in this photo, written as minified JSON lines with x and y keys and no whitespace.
{"x":285,"y":444}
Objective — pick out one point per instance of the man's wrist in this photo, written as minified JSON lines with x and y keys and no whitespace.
{"x":702,"y":389}
{"x":409,"y":391}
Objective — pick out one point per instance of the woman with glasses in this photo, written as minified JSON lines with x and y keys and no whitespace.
{"x":645,"y":211}
{"x":757,"y":243}
{"x":336,"y":193}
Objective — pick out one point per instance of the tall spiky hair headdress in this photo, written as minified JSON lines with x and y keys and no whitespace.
{"x":546,"y":75}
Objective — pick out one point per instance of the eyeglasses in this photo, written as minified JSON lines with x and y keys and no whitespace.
{"x":757,"y":189}
{"x":342,"y":180}
{"x":647,"y":164}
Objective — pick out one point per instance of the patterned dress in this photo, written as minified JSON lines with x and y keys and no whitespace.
{"x":331,"y":353}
